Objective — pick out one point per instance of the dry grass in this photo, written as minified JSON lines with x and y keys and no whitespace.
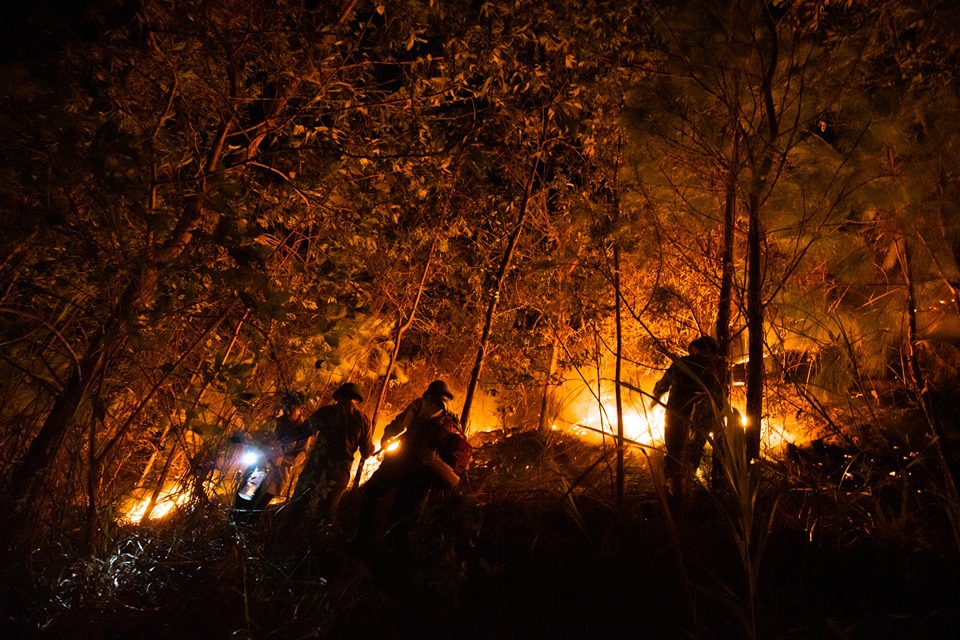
{"x":531,"y":547}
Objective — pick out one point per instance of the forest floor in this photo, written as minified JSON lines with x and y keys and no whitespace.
{"x":533,"y":545}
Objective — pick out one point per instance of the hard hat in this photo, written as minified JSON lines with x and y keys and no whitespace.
{"x":704,"y":344}
{"x":439,"y":388}
{"x":348,"y":390}
{"x":292,"y":399}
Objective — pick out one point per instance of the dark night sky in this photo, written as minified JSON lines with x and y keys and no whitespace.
{"x":28,"y":28}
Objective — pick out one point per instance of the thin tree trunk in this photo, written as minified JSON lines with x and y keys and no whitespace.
{"x":725,"y":304}
{"x":93,"y":482}
{"x":755,"y":366}
{"x":153,"y":456}
{"x":755,"y":311}
{"x":618,"y":319}
{"x":951,"y":468}
{"x":402,"y":328}
{"x":30,"y":475}
{"x":397,"y":338}
{"x":555,"y":347}
{"x":618,"y":316}
{"x":548,"y":385}
{"x":161,"y":480}
{"x":916,"y":371}
{"x":495,"y":298}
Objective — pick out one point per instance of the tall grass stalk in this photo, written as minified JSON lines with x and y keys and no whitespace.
{"x":750,"y":522}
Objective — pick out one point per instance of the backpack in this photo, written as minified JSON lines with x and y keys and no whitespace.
{"x":453,"y":447}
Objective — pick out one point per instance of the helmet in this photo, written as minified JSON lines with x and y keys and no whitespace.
{"x":348,"y":390}
{"x":439,"y":388}
{"x":292,"y":399}
{"x":705,"y":345}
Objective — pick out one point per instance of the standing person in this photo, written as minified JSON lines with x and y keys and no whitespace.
{"x":284,"y":457}
{"x":342,"y":429}
{"x":692,"y":410}
{"x":419,"y":434}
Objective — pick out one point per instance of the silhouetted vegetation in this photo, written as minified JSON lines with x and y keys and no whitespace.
{"x":206,"y":204}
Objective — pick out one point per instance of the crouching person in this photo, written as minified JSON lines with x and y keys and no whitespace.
{"x":423,"y":432}
{"x":284,"y":456}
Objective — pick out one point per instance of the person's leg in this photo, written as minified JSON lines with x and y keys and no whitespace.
{"x":380,"y":483}
{"x":298,"y":506}
{"x":675,"y":434}
{"x":706,"y":425}
{"x":719,"y":443}
{"x":697,"y":442}
{"x":338,"y":482}
{"x":407,"y":507}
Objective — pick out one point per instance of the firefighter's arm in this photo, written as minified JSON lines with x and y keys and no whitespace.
{"x":662,"y":386}
{"x":273,"y":452}
{"x":293,"y":458}
{"x":299,"y":432}
{"x":366,"y":439}
{"x":366,"y":449}
{"x":398,"y":425}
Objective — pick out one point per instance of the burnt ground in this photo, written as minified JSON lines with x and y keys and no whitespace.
{"x":533,"y":545}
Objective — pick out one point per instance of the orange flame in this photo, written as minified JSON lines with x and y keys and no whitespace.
{"x":645,"y":426}
{"x":135,"y":507}
{"x":640,"y":425}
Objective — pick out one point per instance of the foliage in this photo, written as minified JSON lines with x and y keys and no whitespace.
{"x":208,"y":203}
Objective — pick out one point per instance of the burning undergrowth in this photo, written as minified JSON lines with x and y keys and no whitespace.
{"x":850,"y":495}
{"x":533,"y":544}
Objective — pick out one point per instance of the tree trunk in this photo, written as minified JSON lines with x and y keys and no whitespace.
{"x":548,"y":385}
{"x":950,"y":465}
{"x":755,"y":366}
{"x":161,"y":480}
{"x":755,"y":311}
{"x":402,"y":328}
{"x":725,"y":304}
{"x":618,"y":317}
{"x":495,"y":298}
{"x":618,"y":321}
{"x":93,"y":488}
{"x":30,"y":475}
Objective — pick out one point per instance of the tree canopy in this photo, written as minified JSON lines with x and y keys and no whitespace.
{"x":207,"y":203}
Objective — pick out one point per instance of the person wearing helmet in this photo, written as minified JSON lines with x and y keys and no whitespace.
{"x":292,"y":401}
{"x":342,"y":429}
{"x":404,"y":470}
{"x":429,"y":405}
{"x":284,"y":457}
{"x":692,"y":411}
